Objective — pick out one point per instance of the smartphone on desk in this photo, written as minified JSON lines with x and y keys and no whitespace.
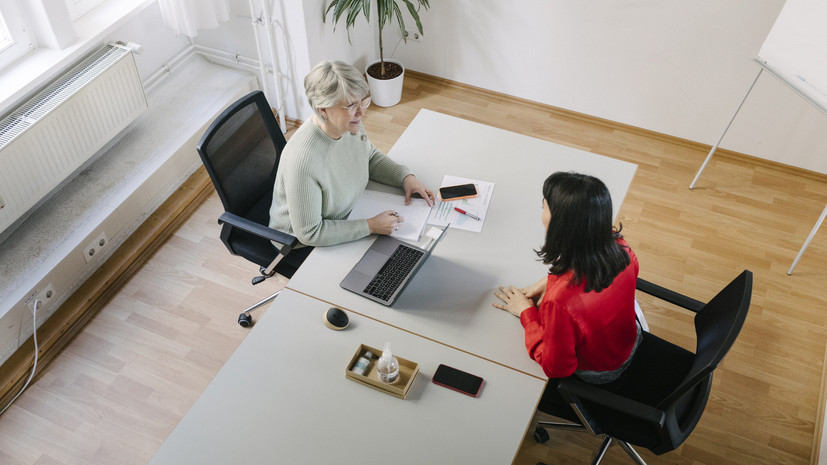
{"x":460,"y":191}
{"x":458,"y":380}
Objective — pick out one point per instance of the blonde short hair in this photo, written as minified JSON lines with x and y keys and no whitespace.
{"x":332,"y":83}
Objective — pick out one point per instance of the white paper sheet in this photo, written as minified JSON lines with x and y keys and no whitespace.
{"x":444,"y":213}
{"x":415,"y":215}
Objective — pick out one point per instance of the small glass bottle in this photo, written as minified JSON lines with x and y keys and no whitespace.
{"x":387,"y":366}
{"x":362,"y":364}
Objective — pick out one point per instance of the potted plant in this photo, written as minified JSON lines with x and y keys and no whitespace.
{"x":384,"y":76}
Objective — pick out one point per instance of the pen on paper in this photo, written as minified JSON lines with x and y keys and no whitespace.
{"x":467,"y":214}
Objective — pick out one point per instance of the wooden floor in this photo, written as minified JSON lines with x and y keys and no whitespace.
{"x":117,"y":391}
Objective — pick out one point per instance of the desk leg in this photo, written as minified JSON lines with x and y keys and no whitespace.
{"x":809,"y":238}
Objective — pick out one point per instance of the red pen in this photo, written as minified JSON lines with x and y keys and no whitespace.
{"x":467,"y":214}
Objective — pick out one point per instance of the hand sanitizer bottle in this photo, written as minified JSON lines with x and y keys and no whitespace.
{"x":387,"y":366}
{"x":362,"y":364}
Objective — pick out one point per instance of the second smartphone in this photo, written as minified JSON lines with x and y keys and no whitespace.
{"x":458,"y":380}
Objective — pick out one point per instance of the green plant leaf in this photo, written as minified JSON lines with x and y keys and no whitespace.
{"x":355,"y":9}
{"x":415,"y":15}
{"x":399,"y":19}
{"x":338,"y":10}
{"x":384,"y":8}
{"x":327,"y":10}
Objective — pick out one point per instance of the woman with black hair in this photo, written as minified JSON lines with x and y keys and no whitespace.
{"x":580,"y":319}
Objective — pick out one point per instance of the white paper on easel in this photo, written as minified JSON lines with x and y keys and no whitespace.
{"x":414,"y":215}
{"x":443,"y":213}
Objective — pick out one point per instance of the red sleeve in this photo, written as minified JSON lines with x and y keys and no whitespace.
{"x":550,"y":337}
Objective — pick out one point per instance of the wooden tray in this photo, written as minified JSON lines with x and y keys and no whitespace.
{"x":407,"y":373}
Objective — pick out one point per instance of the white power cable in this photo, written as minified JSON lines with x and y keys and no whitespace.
{"x":36,"y":350}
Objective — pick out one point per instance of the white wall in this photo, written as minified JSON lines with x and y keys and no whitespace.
{"x":670,"y":66}
{"x":159,"y":42}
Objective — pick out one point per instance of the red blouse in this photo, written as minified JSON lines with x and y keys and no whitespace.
{"x":577,"y":330}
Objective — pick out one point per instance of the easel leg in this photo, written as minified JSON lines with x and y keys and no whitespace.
{"x":809,"y":238}
{"x":715,"y":147}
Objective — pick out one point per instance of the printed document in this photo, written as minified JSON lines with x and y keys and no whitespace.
{"x":444,"y":213}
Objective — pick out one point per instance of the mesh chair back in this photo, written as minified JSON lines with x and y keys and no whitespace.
{"x":241,"y":151}
{"x":717,"y":326}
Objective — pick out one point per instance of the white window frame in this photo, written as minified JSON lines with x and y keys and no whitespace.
{"x":15,"y":38}
{"x":78,"y":8}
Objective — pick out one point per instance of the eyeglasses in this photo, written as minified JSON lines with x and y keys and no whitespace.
{"x":363,"y":104}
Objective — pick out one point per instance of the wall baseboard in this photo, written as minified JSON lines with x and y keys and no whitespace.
{"x":70,"y":318}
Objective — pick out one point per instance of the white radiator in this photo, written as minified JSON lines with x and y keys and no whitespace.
{"x":46,"y":140}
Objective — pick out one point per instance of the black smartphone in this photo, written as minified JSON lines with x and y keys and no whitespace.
{"x":460,"y":191}
{"x":458,"y":380}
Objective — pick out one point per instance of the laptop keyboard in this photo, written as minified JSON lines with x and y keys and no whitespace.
{"x":388,"y":279}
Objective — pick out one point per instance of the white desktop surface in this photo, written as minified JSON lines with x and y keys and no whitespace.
{"x":283,"y":398}
{"x":450,"y":298}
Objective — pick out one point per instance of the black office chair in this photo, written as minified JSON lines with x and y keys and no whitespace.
{"x":241,"y":151}
{"x":660,"y":397}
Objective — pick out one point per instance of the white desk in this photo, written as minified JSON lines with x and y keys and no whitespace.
{"x":450,"y":298}
{"x":283,"y":398}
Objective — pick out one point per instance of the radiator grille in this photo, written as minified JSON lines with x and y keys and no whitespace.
{"x":45,"y":140}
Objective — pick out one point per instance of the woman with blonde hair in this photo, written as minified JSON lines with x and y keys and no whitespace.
{"x":327,"y":163}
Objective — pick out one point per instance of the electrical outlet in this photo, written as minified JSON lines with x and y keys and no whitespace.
{"x":413,"y":35}
{"x":95,"y":247}
{"x":45,"y":296}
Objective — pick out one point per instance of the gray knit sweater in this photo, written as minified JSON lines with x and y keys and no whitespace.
{"x":319,"y":180}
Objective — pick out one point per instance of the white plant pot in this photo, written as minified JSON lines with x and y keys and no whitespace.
{"x":385,"y":92}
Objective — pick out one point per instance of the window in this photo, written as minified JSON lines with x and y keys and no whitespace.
{"x":78,"y":8}
{"x":15,"y":39}
{"x":5,"y":37}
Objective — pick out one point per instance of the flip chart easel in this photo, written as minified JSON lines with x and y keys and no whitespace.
{"x":793,"y":52}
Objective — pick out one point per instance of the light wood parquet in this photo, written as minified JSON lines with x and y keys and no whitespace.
{"x":120,"y":387}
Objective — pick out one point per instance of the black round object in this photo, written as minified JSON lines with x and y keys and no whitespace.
{"x":336,"y":318}
{"x":541,"y":435}
{"x":245,"y":320}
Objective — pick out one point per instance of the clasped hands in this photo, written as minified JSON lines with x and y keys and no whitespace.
{"x":514,"y":300}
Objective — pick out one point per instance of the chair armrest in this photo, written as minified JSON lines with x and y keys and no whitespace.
{"x":288,"y":242}
{"x":574,"y":389}
{"x":669,"y":295}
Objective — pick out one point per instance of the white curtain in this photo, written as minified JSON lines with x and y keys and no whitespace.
{"x":187,"y":16}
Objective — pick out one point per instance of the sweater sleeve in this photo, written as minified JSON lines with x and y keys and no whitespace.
{"x":550,"y":337}
{"x":383,"y":169}
{"x":305,"y":186}
{"x":304,"y":194}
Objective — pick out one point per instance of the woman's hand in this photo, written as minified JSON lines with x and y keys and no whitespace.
{"x":385,"y":222}
{"x":412,"y":185}
{"x":535,"y":291}
{"x":514,"y":301}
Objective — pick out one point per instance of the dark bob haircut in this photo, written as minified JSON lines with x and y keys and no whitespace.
{"x":580,"y":237}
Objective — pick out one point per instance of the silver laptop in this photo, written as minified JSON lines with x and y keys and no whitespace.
{"x":387,"y":267}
